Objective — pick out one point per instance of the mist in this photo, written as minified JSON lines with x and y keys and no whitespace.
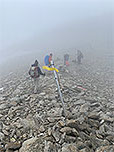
{"x":28,"y":27}
{"x":56,"y":75}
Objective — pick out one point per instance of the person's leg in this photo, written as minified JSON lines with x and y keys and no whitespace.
{"x":78,"y":59}
{"x":37,"y":82}
{"x":35,"y":85}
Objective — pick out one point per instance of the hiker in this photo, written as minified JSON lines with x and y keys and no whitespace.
{"x":35,"y":73}
{"x":66,"y":58}
{"x":79,"y":56}
{"x":48,"y":59}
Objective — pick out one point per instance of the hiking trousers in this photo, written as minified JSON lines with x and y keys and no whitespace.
{"x":36,"y":80}
{"x":79,"y":60}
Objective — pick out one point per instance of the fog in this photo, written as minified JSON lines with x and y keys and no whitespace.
{"x":66,"y":104}
{"x":32,"y":28}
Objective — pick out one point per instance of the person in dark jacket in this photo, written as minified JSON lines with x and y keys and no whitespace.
{"x":35,"y":73}
{"x":79,"y":56}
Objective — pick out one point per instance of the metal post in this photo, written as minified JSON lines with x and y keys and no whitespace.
{"x":59,"y":90}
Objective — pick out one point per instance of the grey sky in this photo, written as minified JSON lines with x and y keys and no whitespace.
{"x":25,"y":21}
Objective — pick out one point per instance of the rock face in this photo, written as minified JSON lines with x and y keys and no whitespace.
{"x":35,"y":122}
{"x":27,"y":144}
{"x":69,"y":148}
{"x":13,"y":146}
{"x":105,"y":148}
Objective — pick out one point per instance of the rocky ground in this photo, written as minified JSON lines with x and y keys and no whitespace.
{"x":35,"y":122}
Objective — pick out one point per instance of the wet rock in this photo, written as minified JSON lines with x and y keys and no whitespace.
{"x":105,"y":149}
{"x":94,"y":116}
{"x":2,"y":148}
{"x":17,"y":91}
{"x":42,"y":94}
{"x":49,"y":131}
{"x":13,"y":146}
{"x":86,"y":150}
{"x":70,"y":139}
{"x":95,"y":105}
{"x":51,"y":119}
{"x":61,"y":123}
{"x":27,"y":123}
{"x":72,"y":123}
{"x":15,"y":100}
{"x":69,"y":148}
{"x":1,"y":126}
{"x":55,"y":112}
{"x":1,"y":136}
{"x":93,"y":123}
{"x":4,"y":106}
{"x":84,"y":136}
{"x":13,"y":103}
{"x":5,"y":132}
{"x":110,"y":137}
{"x":9,"y":150}
{"x":18,"y":124}
{"x":80,"y":102}
{"x":70,"y":131}
{"x":26,"y":145}
{"x":42,"y":129}
{"x":80,"y":145}
{"x":49,"y":146}
{"x":56,"y":135}
{"x":12,"y":140}
{"x":108,"y":119}
{"x":84,"y":108}
{"x":1,"y":115}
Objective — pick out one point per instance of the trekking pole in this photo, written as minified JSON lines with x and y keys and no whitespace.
{"x":59,"y":90}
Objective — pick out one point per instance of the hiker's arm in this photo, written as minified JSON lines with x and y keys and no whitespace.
{"x":40,"y":72}
{"x":29,"y":71}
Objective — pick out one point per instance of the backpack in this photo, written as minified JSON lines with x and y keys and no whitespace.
{"x":46,"y":60}
{"x":81,"y":55}
{"x":33,"y":72}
